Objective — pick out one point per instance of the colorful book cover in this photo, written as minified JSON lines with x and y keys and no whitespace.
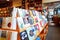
{"x":37,"y":27}
{"x":1,"y":22}
{"x":25,"y":20}
{"x":42,"y":23}
{"x":21,"y":13}
{"x":24,"y":35}
{"x":6,"y":23}
{"x":31,"y":33}
{"x":30,"y":20}
{"x":20,"y":23}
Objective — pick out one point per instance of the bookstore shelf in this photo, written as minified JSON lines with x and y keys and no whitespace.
{"x":22,"y":29}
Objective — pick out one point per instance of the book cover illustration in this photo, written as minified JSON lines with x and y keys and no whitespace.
{"x":1,"y":22}
{"x":36,"y":19}
{"x":20,"y":23}
{"x":25,"y":20}
{"x":31,"y":31}
{"x":37,"y":27}
{"x":13,"y":23}
{"x":24,"y":35}
{"x":38,"y":15}
{"x":3,"y":35}
{"x":6,"y":23}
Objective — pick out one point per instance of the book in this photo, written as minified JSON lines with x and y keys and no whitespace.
{"x":33,"y":13}
{"x":13,"y":35}
{"x":6,"y":23}
{"x":3,"y":35}
{"x":1,"y":22}
{"x":21,"y":12}
{"x":24,"y":35}
{"x":36,"y":19}
{"x":37,"y":27}
{"x":13,"y":23}
{"x":9,"y":23}
{"x":38,"y":38}
{"x":30,"y":20}
{"x":14,"y":12}
{"x":31,"y":33}
{"x":20,"y":23}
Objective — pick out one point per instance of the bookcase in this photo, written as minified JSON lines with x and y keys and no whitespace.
{"x":23,"y":25}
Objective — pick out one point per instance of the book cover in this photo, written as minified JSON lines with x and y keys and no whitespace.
{"x":37,"y":27}
{"x":13,"y":35}
{"x":30,"y":20}
{"x":1,"y":22}
{"x":6,"y":23}
{"x":38,"y":38}
{"x":20,"y":23}
{"x":31,"y":32}
{"x":33,"y":13}
{"x":24,"y":35}
{"x":3,"y":35}
{"x":13,"y":23}
{"x":21,"y":13}
{"x":14,"y":12}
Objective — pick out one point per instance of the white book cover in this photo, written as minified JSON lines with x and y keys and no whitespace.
{"x":14,"y":36}
{"x":14,"y":12}
{"x":13,"y":23}
{"x":6,"y":22}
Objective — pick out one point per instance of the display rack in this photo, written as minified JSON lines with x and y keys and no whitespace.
{"x":41,"y":33}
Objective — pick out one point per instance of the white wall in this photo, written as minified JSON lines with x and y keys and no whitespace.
{"x":47,"y":1}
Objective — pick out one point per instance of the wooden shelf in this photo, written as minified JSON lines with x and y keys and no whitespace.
{"x":8,"y":29}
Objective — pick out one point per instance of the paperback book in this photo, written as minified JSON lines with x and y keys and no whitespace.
{"x":24,"y":35}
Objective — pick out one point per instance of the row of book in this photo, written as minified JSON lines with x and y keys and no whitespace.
{"x":30,"y":23}
{"x":12,"y":35}
{"x":8,"y":35}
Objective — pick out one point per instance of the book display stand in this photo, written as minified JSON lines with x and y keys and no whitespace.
{"x":23,"y":25}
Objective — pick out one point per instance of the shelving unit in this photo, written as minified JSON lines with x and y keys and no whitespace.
{"x":42,"y":34}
